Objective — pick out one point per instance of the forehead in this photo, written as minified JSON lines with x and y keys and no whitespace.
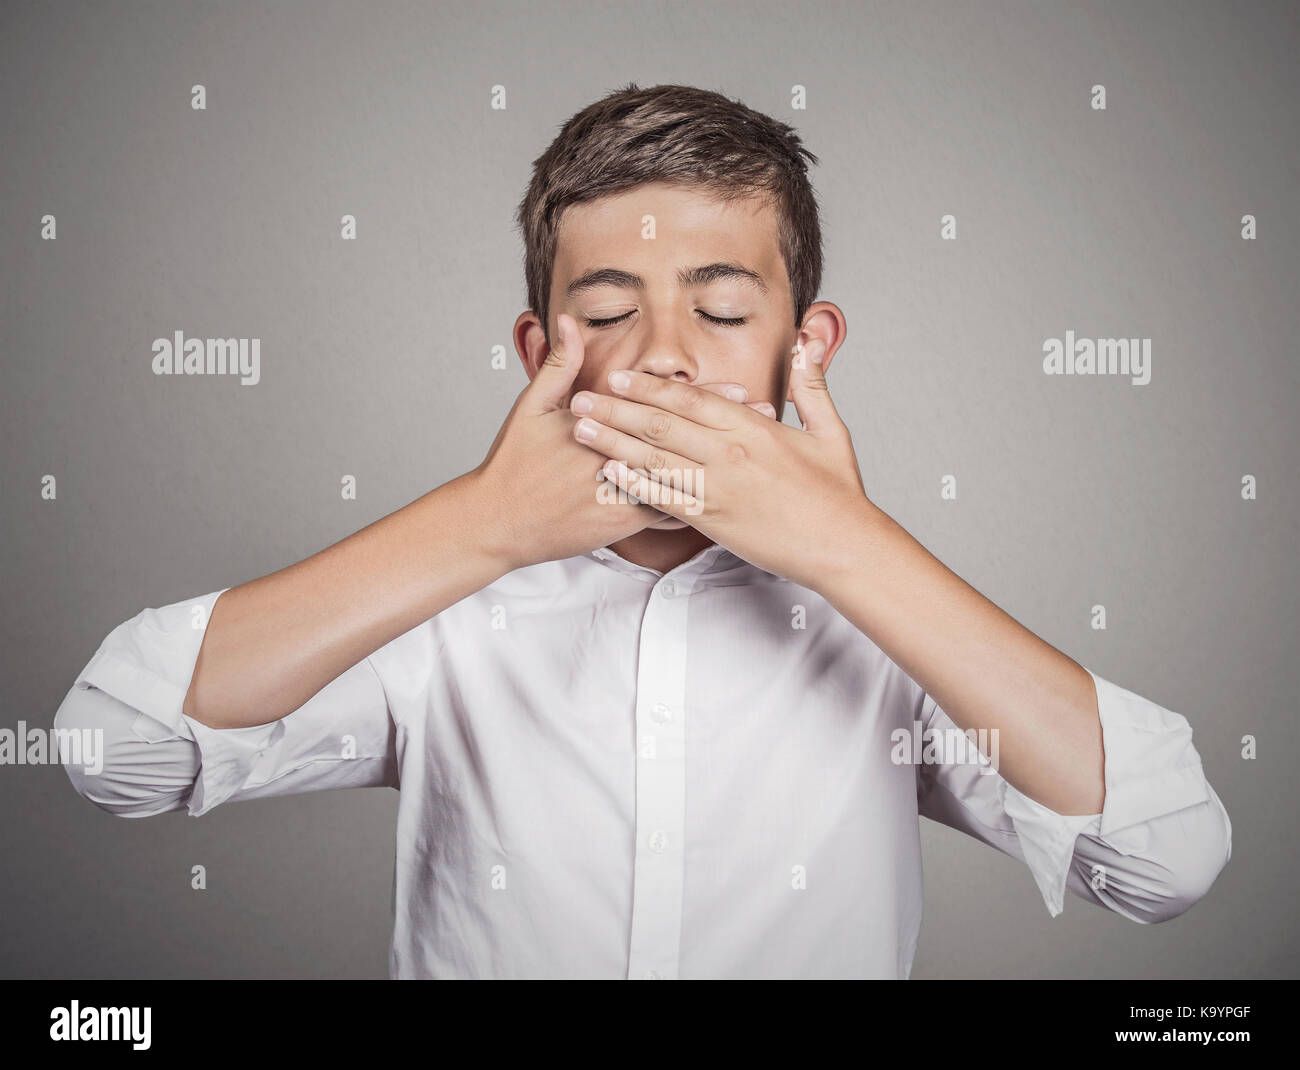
{"x":689,"y":224}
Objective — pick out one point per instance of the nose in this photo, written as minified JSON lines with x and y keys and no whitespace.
{"x":664,"y":352}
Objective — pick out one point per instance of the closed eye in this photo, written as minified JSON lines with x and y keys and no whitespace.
{"x":721,"y":321}
{"x":608,"y":322}
{"x":737,"y":322}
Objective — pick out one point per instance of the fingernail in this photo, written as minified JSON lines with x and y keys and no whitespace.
{"x":581,"y":404}
{"x":737,"y":393}
{"x":620,"y":380}
{"x":586,"y":431}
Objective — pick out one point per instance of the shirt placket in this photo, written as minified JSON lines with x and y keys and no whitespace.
{"x":660,"y":782}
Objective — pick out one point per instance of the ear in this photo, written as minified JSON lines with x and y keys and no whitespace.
{"x":823,"y":320}
{"x":530,"y":342}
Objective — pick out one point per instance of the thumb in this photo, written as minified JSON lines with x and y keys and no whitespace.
{"x":550,"y":387}
{"x":808,"y":390}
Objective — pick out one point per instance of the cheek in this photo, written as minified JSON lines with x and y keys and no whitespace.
{"x":767,"y":383}
{"x":764,"y":371}
{"x":777,"y":381}
{"x":592,"y":378}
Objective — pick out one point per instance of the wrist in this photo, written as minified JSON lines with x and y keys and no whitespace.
{"x":852,"y":545}
{"x":488,"y":523}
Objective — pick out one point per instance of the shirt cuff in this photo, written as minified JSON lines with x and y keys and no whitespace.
{"x":148,"y":663}
{"x":1151,"y":769}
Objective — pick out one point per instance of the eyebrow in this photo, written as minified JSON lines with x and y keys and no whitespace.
{"x":696,"y":276}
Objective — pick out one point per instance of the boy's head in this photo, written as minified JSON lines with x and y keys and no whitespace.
{"x":656,"y":213}
{"x":682,"y":136}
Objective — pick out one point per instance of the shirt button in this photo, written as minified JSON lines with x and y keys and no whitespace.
{"x":661,"y":714}
{"x":669,"y":588}
{"x":658,"y":841}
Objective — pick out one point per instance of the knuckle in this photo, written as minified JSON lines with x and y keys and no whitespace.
{"x":737,"y":453}
{"x":657,"y":461}
{"x":691,"y":399}
{"x":658,"y":424}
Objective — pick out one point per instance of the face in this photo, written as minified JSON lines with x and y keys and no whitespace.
{"x":670,"y":280}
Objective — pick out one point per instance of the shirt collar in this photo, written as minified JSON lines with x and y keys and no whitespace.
{"x":712,"y":559}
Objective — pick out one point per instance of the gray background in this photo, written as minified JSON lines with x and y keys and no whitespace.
{"x":375,"y":362}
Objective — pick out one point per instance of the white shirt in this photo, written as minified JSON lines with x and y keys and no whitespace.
{"x":609,"y":772}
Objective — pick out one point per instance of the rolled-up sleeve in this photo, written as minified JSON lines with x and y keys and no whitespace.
{"x":152,"y":759}
{"x":1160,"y":841}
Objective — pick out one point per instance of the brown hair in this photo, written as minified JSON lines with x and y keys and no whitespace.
{"x":672,"y":133}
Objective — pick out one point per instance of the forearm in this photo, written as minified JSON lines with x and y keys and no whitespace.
{"x":983,"y":668}
{"x":274,"y":642}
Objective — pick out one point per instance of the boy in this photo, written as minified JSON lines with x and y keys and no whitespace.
{"x":688,"y":738}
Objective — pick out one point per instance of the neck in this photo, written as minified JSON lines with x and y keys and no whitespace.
{"x":662,"y":551}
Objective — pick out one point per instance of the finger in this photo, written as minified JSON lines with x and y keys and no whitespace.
{"x":656,"y":430}
{"x":731,"y":391}
{"x":673,"y":500}
{"x":687,"y":400}
{"x":609,"y":494}
{"x":808,"y":389}
{"x":554,"y":379}
{"x":609,"y":441}
{"x":738,"y":392}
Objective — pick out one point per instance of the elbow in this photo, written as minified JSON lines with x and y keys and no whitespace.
{"x":109,"y":765}
{"x":80,"y":742}
{"x":1191,"y":868}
